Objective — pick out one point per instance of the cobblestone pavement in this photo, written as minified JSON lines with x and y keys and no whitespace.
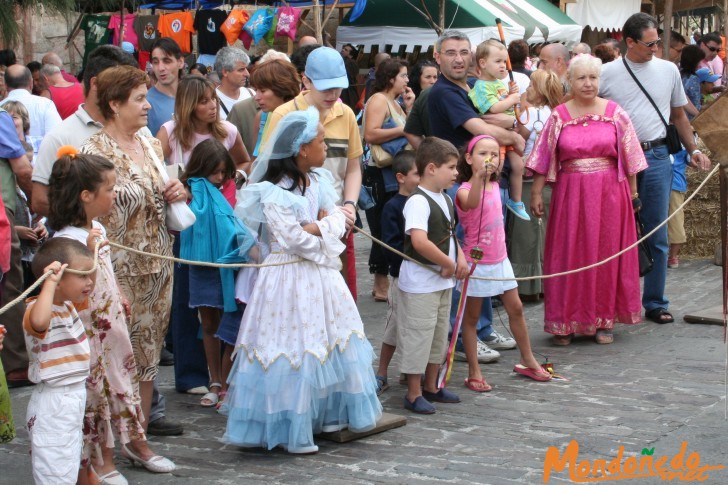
{"x":655,"y":387}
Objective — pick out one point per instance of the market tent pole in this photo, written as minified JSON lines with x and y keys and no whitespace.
{"x":667,"y":30}
{"x":121,"y":22}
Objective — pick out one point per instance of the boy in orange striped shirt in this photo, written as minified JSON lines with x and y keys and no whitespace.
{"x":59,"y":361}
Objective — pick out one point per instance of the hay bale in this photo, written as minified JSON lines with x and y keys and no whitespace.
{"x":702,"y":216}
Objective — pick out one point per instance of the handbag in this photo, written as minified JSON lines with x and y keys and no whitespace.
{"x":643,"y":250}
{"x":672,"y":137}
{"x":384,"y":153}
{"x":179,"y":214}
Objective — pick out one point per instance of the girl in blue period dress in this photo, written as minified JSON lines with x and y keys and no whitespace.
{"x":303,"y":364}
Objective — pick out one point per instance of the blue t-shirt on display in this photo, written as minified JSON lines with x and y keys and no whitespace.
{"x":162,"y":110}
{"x":449,"y":108}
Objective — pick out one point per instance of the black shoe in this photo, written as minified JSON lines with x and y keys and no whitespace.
{"x":162,"y":427}
{"x":166,"y":357}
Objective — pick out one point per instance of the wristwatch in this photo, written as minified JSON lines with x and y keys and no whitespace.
{"x":240,"y":178}
{"x":697,"y":150}
{"x":353,"y":204}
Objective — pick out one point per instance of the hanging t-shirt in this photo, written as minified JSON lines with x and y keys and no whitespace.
{"x":234,"y":25}
{"x":129,"y":33}
{"x":209,"y":37}
{"x":145,"y":27}
{"x":179,"y":27}
{"x":97,"y":32}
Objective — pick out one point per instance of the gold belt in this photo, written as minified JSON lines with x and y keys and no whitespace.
{"x":588,"y":165}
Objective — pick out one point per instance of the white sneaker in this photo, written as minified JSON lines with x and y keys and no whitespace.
{"x":485,"y":354}
{"x":500,"y":342}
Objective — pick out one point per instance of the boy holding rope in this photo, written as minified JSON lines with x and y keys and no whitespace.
{"x":430,"y":240}
{"x":59,"y":360}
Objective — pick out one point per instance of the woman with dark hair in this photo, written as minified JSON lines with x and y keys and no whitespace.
{"x":138,"y":220}
{"x":518,"y":54}
{"x":390,"y":83}
{"x":423,"y":76}
{"x":198,"y":70}
{"x":690,"y":58}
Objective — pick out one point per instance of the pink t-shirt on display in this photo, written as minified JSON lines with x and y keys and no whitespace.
{"x":129,"y":32}
{"x":483,"y":225}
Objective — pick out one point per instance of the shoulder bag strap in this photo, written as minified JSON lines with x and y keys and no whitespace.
{"x":157,"y":163}
{"x":222,"y":105}
{"x":624,"y":60}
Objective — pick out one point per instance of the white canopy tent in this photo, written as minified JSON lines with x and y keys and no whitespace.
{"x":395,"y":23}
{"x":602,"y":15}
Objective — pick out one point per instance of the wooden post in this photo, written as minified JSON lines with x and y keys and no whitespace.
{"x":442,"y":17}
{"x":667,"y":30}
{"x":317,"y":21}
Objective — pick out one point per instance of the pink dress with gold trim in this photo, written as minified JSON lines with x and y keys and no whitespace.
{"x":587,"y":161}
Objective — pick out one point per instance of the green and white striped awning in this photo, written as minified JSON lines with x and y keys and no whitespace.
{"x":396,"y":23}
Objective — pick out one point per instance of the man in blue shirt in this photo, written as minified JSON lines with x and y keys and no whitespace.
{"x":452,"y":115}
{"x":167,"y":62}
{"x":14,"y":165}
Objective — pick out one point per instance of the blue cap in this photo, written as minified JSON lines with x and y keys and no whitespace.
{"x":127,"y":47}
{"x":705,"y":76}
{"x":325,"y":68}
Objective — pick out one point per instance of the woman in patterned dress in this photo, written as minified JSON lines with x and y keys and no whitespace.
{"x":137,"y":220}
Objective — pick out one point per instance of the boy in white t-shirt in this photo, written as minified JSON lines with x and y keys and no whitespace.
{"x":429,"y":238}
{"x":59,"y":361}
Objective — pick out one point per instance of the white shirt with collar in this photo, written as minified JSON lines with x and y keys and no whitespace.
{"x":74,"y":131}
{"x":43,"y":113}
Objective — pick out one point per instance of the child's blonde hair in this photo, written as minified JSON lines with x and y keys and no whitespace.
{"x":548,"y":85}
{"x":483,"y":49}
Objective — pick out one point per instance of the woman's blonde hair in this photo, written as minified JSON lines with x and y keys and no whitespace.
{"x":191,"y":90}
{"x":19,"y":109}
{"x":548,"y":85}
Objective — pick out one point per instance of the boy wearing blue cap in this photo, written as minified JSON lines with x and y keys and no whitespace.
{"x":323,"y":80}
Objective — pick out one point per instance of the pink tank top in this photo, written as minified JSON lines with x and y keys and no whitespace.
{"x":483,"y":226}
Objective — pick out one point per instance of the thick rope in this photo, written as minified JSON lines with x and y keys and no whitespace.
{"x":43,"y":277}
{"x":563,"y":273}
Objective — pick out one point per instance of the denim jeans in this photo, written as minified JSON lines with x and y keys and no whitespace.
{"x":485,"y":322}
{"x":654,"y":185}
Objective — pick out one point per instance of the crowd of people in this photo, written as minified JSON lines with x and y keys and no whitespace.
{"x":478,"y":174}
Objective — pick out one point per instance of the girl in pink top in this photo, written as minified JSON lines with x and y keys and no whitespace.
{"x":480,"y":213}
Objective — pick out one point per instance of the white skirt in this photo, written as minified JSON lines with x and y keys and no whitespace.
{"x":485,"y":288}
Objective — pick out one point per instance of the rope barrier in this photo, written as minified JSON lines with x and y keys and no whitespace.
{"x":43,"y":277}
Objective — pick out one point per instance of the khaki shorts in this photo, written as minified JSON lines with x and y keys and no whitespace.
{"x":676,"y":225}
{"x":422,"y":332}
{"x":394,"y":313}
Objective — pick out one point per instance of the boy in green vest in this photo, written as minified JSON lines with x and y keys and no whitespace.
{"x":429,"y":238}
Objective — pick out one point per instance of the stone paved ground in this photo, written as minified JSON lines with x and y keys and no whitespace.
{"x":655,"y":387}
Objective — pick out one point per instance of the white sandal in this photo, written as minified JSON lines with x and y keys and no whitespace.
{"x":211,"y":399}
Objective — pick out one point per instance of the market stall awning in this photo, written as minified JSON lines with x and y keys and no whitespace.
{"x":396,"y":23}
{"x":601,"y":15}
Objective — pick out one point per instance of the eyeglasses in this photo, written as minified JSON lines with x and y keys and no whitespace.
{"x":463,"y":53}
{"x":649,"y":45}
{"x":714,"y":49}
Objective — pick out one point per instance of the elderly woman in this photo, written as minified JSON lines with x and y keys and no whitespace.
{"x":390,"y":82}
{"x":137,"y":220}
{"x":590,"y":154}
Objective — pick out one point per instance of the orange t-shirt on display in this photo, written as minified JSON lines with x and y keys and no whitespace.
{"x":179,"y":27}
{"x":233,"y":25}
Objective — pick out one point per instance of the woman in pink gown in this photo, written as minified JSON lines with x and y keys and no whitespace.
{"x":590,"y":154}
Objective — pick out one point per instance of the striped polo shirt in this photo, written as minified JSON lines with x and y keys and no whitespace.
{"x":60,"y":355}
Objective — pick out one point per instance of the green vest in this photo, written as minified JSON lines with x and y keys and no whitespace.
{"x":439,"y":229}
{"x":7,"y":183}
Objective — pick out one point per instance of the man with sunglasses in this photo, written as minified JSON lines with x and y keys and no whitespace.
{"x":661,"y":79}
{"x":711,"y":44}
